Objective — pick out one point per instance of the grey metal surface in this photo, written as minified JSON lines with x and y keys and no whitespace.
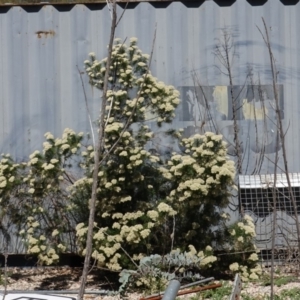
{"x":41,"y":49}
{"x":30,"y":296}
{"x":198,"y":282}
{"x":40,"y":87}
{"x":236,"y":288}
{"x":172,"y":290}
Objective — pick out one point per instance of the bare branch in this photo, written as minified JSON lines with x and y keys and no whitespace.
{"x":97,"y":151}
{"x":122,"y":14}
{"x":281,"y":136}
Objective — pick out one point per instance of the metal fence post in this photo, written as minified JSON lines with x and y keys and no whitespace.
{"x":172,"y":290}
{"x":236,"y":289}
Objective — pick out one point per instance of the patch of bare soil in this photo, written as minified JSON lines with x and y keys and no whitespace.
{"x":53,"y":278}
{"x":66,"y":278}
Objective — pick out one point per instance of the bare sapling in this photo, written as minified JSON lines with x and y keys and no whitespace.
{"x":281,"y":140}
{"x":224,"y":54}
{"x":98,"y":151}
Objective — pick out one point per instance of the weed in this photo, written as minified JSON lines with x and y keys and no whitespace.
{"x":216,"y":294}
{"x":292,"y":294}
{"x":224,"y":292}
{"x":279,"y":281}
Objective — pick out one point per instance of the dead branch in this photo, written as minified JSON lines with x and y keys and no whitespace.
{"x":281,"y":132}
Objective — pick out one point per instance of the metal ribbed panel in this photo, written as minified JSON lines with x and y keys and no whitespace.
{"x":41,"y":49}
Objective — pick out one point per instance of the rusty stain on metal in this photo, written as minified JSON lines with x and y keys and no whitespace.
{"x":189,"y":291}
{"x":45,"y":33}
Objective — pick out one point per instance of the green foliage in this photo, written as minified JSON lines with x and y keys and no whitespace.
{"x":140,"y":194}
{"x":293,"y":293}
{"x":279,"y":280}
{"x":200,"y":178}
{"x":284,"y":280}
{"x":224,"y":292}
{"x":240,"y":251}
{"x":220,"y":293}
{"x":142,"y":198}
{"x":34,"y":196}
{"x":155,"y":271}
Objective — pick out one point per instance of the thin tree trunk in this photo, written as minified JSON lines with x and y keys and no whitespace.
{"x":281,"y":132}
{"x":225,"y":56}
{"x":98,"y":151}
{"x":274,"y":196}
{"x":282,"y":140}
{"x":234,"y":114}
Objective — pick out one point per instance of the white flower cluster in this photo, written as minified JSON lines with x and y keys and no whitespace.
{"x":245,"y":228}
{"x":105,"y":246}
{"x":69,"y":143}
{"x":8,"y":174}
{"x":165,"y":208}
{"x":136,"y":157}
{"x":45,"y":170}
{"x":49,"y":257}
{"x":208,"y":260}
{"x":127,"y":228}
{"x":161,"y":99}
{"x":3,"y":182}
{"x":207,"y":257}
{"x":205,"y":169}
{"x":120,"y":66}
{"x":81,"y":230}
{"x":153,"y":215}
{"x":245,"y":272}
{"x":243,"y":233}
{"x":129,"y":69}
{"x":114,"y":127}
{"x":38,"y":244}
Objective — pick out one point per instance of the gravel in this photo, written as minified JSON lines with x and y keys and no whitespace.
{"x":65,"y":278}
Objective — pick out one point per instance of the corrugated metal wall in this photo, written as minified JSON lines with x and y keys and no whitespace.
{"x":41,"y":48}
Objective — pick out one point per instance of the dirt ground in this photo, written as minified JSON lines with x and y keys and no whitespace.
{"x":66,"y":278}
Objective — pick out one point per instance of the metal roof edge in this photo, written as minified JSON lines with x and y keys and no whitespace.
{"x":188,"y":3}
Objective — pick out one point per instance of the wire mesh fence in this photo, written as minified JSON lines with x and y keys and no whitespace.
{"x":257,"y":195}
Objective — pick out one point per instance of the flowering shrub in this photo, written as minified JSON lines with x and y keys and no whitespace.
{"x":200,"y":178}
{"x":155,"y":271}
{"x":35,"y":196}
{"x":129,"y":71}
{"x":243,"y":258}
{"x":141,"y":198}
{"x":138,"y":213}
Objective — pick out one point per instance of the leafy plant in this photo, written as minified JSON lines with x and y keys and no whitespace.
{"x":242,"y":255}
{"x":143,"y":197}
{"x":280,"y":281}
{"x":155,"y":271}
{"x":220,"y":293}
{"x":293,"y":293}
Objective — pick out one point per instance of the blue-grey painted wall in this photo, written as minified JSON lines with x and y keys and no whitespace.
{"x":42,"y":47}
